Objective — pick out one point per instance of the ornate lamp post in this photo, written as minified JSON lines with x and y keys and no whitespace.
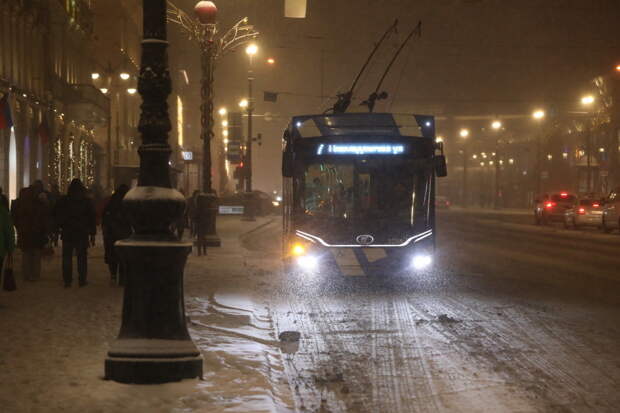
{"x":203,"y":29}
{"x":153,"y":345}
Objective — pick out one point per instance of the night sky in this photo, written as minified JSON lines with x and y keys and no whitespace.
{"x":475,"y":57}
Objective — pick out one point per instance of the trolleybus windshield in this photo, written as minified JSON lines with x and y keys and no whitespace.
{"x":378,"y":190}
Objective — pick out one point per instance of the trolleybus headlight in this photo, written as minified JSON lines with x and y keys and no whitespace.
{"x":298,"y":250}
{"x":308,"y":262}
{"x":421,"y":261}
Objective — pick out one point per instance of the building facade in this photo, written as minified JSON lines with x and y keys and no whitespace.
{"x":44,"y":69}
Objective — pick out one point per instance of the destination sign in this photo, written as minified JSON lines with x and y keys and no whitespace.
{"x":360,"y":149}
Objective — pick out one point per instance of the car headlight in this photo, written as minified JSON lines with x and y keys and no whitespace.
{"x":421,"y":261}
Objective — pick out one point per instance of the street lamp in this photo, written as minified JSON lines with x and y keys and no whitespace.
{"x":243,"y":103}
{"x":248,"y":104}
{"x":203,"y":28}
{"x":587,"y":101}
{"x":153,"y":345}
{"x":497,"y":126}
{"x":464,"y":133}
{"x":107,"y":81}
{"x":538,"y":115}
{"x":222,"y":111}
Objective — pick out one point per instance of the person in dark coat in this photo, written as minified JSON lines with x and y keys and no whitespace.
{"x":7,"y":236}
{"x":4,"y":200}
{"x":31,"y":217}
{"x":116,"y":226}
{"x":53,"y":197}
{"x":75,"y":216}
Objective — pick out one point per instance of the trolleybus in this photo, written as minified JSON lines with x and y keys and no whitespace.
{"x":363,"y":183}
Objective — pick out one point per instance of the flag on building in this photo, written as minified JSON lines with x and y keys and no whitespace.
{"x":6,"y":122}
{"x":295,"y":9}
{"x":43,"y":132}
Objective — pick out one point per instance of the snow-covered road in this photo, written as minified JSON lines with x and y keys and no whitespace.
{"x":515,"y":318}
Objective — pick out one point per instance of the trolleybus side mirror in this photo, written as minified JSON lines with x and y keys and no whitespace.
{"x":441,"y":168}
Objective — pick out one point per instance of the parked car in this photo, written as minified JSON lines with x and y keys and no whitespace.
{"x":585,"y":212}
{"x":236,"y":203}
{"x":611,"y":211}
{"x":441,"y":202}
{"x":552,"y":207}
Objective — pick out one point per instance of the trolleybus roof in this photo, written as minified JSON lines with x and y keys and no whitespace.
{"x":363,"y":124}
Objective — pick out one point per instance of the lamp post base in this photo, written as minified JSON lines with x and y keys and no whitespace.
{"x":153,"y":345}
{"x":145,"y":361}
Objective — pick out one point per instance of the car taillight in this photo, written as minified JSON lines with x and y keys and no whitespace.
{"x":447,"y":203}
{"x":582,"y":211}
{"x":595,"y":205}
{"x":550,"y":204}
{"x":564,"y":194}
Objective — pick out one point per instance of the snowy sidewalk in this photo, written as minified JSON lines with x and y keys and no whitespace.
{"x":53,"y":340}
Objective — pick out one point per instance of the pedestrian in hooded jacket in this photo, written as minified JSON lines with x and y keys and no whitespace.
{"x":75,"y":216}
{"x":116,"y":226}
{"x":32,"y":219}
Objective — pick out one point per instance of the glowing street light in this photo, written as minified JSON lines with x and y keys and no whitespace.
{"x":464,"y":133}
{"x":95,"y":76}
{"x":224,"y":123}
{"x":124,"y":75}
{"x":222,"y":111}
{"x":271,"y":61}
{"x":511,"y":161}
{"x":587,"y":100}
{"x":131,"y":90}
{"x":252,"y":49}
{"x":496,"y":124}
{"x":439,"y":139}
{"x":104,"y":90}
{"x":538,"y":114}
{"x":243,"y":103}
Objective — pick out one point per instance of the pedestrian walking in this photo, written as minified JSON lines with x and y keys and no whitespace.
{"x":7,"y":237}
{"x":115,"y":226}
{"x":32,"y":219}
{"x":181,"y":223}
{"x":53,"y":197}
{"x":192,"y":208}
{"x":4,"y":200}
{"x":75,"y":215}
